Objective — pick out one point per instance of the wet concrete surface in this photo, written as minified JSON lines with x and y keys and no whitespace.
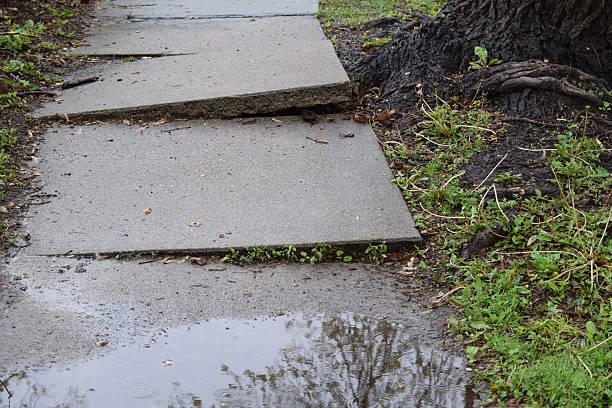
{"x":323,"y":360}
{"x":204,"y":9}
{"x":216,"y":38}
{"x":213,"y":185}
{"x":69,"y":304}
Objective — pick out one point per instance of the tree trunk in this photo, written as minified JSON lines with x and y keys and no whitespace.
{"x":574,"y":33}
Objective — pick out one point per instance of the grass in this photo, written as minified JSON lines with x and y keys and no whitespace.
{"x":352,"y":12}
{"x":536,"y":310}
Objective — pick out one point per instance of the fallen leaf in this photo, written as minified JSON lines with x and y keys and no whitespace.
{"x":382,"y":116}
{"x":276,"y":120}
{"x":221,"y":235}
{"x":147,"y":211}
{"x":531,"y":240}
{"x":321,"y":141}
{"x":194,"y":224}
{"x":360,"y":118}
{"x":167,"y":363}
{"x":168,"y":260}
{"x":101,"y":343}
{"x":345,"y":135}
{"x":198,"y":261}
{"x":67,"y":173}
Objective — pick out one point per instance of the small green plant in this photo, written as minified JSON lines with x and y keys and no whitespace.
{"x":374,"y":43}
{"x":483,"y":59}
{"x":8,"y":137}
{"x":129,"y":59}
{"x":376,"y":253}
{"x":507,"y":177}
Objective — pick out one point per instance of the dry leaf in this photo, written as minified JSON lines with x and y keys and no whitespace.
{"x":198,"y":261}
{"x":360,"y":118}
{"x":167,"y":363}
{"x":101,"y":343}
{"x":147,"y":211}
{"x":168,"y":260}
{"x":194,"y":224}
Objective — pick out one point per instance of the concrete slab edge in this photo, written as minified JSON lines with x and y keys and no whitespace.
{"x":350,"y":246}
{"x":224,"y":107}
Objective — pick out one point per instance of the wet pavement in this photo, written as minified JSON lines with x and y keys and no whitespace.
{"x":326,"y":360}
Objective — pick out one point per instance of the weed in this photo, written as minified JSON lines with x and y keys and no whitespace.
{"x":483,"y":59}
{"x":376,"y":253}
{"x":129,"y":59}
{"x":373,"y":43}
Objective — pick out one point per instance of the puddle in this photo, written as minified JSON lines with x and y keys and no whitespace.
{"x":344,"y":360}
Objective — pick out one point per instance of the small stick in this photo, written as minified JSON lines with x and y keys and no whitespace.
{"x":447,"y":294}
{"x":451,"y":179}
{"x":441,"y":216}
{"x":6,"y":388}
{"x":491,"y":172}
{"x":497,"y":202}
{"x":585,"y":366}
{"x":71,"y":83}
{"x":601,"y":343}
{"x":18,"y":33}
{"x":147,"y":261}
{"x":49,"y":93}
{"x":430,"y":141}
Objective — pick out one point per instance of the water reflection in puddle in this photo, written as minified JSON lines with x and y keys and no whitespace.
{"x":343,"y":360}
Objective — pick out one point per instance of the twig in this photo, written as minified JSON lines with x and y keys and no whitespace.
{"x":534,"y":122}
{"x":147,"y":261}
{"x":440,"y":216}
{"x":535,"y":150}
{"x":484,"y":196}
{"x":6,"y":388}
{"x":169,"y":131}
{"x":510,"y":376}
{"x":397,"y":143}
{"x":605,"y":228}
{"x":585,"y":366}
{"x":479,"y":128}
{"x":429,"y":140}
{"x":18,"y":33}
{"x":49,"y":93}
{"x":499,"y":206}
{"x":452,"y":178}
{"x":601,"y":343}
{"x":72,"y":83}
{"x":491,"y":172}
{"x":447,"y":294}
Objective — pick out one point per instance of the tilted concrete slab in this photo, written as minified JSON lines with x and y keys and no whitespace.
{"x":233,"y":75}
{"x":203,"y":9}
{"x":214,"y":185}
{"x":211,"y":37}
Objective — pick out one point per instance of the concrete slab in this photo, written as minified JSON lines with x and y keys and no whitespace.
{"x":210,"y":37}
{"x":203,"y":9}
{"x":267,"y":183}
{"x":62,"y":315}
{"x":233,"y":75}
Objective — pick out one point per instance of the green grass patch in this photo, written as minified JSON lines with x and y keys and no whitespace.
{"x":536,"y":308}
{"x":355,"y":12}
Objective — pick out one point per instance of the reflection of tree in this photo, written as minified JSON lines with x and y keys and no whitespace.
{"x":34,"y":393}
{"x":351,"y":361}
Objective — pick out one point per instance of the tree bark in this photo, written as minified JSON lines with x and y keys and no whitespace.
{"x":574,"y":33}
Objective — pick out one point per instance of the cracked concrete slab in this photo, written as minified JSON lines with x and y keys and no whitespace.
{"x":211,"y":37}
{"x":234,"y":74}
{"x":272,"y":182}
{"x":203,"y":9}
